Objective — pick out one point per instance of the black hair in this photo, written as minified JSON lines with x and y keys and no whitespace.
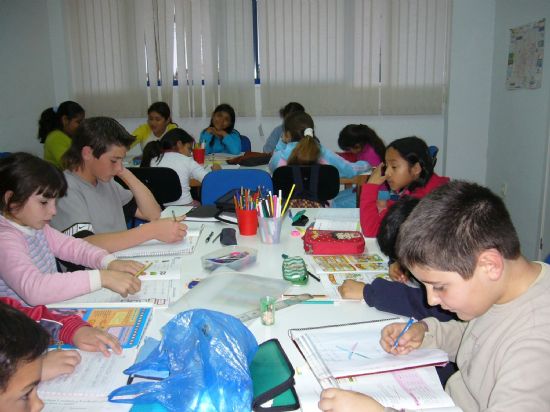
{"x":24,"y":174}
{"x":291,"y":107}
{"x":224,"y":107}
{"x":389,"y":227}
{"x":452,"y":225}
{"x":161,"y":108}
{"x":21,"y":340}
{"x":361,"y":134}
{"x":169,"y":141}
{"x":415,"y":150}
{"x":99,"y":133}
{"x":50,"y":119}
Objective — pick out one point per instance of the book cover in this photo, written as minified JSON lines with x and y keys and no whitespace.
{"x":127,"y":324}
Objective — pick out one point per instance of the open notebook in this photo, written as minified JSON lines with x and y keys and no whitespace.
{"x":339,"y":351}
{"x":158,"y":248}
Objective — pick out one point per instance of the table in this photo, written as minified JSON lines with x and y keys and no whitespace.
{"x":268,"y":264}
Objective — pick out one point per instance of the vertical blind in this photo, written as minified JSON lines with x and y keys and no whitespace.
{"x":336,"y":57}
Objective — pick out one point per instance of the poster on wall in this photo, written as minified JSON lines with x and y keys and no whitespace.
{"x":526,"y":56}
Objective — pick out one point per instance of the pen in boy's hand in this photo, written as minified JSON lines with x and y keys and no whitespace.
{"x":174,"y":216}
{"x":405,"y":329}
{"x":143,"y":269}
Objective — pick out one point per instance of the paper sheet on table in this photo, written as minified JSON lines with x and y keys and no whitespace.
{"x":157,"y":293}
{"x":167,"y":267}
{"x":331,"y":281}
{"x":93,"y":378}
{"x":232,"y":293}
{"x":335,"y":219}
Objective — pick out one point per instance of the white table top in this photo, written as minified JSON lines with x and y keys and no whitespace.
{"x":269,"y":264}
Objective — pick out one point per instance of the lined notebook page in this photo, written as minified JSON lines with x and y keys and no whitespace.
{"x":158,"y":248}
{"x":93,"y":379}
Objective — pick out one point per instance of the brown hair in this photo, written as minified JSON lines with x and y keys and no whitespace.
{"x":307,"y":151}
{"x":452,"y":225}
{"x":99,"y":133}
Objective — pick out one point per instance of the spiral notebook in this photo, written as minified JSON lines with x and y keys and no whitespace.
{"x":353,"y":349}
{"x":158,"y":248}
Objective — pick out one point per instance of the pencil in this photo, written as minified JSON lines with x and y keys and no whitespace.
{"x":288,"y":199}
{"x":313,"y":276}
{"x":174,"y":216}
{"x":143,"y":269}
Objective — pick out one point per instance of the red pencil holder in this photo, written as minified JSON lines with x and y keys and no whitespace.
{"x":247,"y":221}
{"x":198,"y":155}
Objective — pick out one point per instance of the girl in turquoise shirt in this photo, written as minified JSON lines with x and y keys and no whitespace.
{"x":220,"y":136}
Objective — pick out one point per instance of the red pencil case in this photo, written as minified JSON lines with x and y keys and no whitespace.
{"x":333,"y":242}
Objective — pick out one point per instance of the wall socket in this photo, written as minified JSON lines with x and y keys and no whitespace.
{"x":503,"y":190}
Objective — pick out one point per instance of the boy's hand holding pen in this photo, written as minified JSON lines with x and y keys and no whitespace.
{"x":402,"y":338}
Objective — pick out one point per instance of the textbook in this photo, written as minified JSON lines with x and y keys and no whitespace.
{"x":93,"y":378}
{"x":158,"y":248}
{"x":347,"y":263}
{"x":127,"y":324}
{"x":336,"y":219}
{"x":348,"y":350}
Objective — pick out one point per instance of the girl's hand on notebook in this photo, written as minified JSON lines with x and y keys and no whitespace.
{"x":377,"y":178}
{"x":59,"y":362}
{"x":120,"y":282}
{"x":339,"y":400}
{"x":411,"y":340}
{"x":168,"y":230}
{"x":130,"y":266}
{"x":351,"y":289}
{"x":397,"y":273}
{"x":95,"y":340}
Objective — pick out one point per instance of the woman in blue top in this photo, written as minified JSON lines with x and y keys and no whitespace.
{"x":300,"y":146}
{"x":220,"y":136}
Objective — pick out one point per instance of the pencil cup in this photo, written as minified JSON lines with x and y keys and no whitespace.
{"x":198,"y":155}
{"x":247,"y":221}
{"x":270,"y":229}
{"x":267,"y":310}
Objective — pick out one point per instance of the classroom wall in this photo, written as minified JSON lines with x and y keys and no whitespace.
{"x":26,"y":65}
{"x":519,"y":124}
{"x":471,"y":57}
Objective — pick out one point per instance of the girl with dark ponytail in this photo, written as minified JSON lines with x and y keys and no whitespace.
{"x":56,"y":127}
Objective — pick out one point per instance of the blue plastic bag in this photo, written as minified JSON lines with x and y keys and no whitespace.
{"x":207,"y":354}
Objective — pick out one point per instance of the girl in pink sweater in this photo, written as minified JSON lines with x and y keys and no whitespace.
{"x":29,"y":187}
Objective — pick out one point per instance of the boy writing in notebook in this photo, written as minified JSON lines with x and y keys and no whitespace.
{"x":467,"y":254}
{"x":95,"y":200}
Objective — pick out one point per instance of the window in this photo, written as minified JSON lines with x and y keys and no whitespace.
{"x":336,"y":57}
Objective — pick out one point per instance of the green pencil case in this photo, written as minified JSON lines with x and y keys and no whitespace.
{"x":273,"y":379}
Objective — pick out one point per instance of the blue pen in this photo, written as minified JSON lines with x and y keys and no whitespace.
{"x":405,"y":329}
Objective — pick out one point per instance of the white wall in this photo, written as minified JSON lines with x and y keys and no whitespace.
{"x":519,"y":126}
{"x":27,"y":84}
{"x":469,"y":89}
{"x":327,"y":128}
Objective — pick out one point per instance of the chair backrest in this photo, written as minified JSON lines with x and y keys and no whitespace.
{"x":317,"y":182}
{"x":246,"y":146}
{"x":163,"y":182}
{"x":433,"y":153}
{"x":219,"y":182}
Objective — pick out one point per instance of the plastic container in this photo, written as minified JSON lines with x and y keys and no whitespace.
{"x":233,"y":257}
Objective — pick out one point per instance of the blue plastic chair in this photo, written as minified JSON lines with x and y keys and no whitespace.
{"x":219,"y":182}
{"x":4,"y":154}
{"x":434,"y":150}
{"x":246,"y":146}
